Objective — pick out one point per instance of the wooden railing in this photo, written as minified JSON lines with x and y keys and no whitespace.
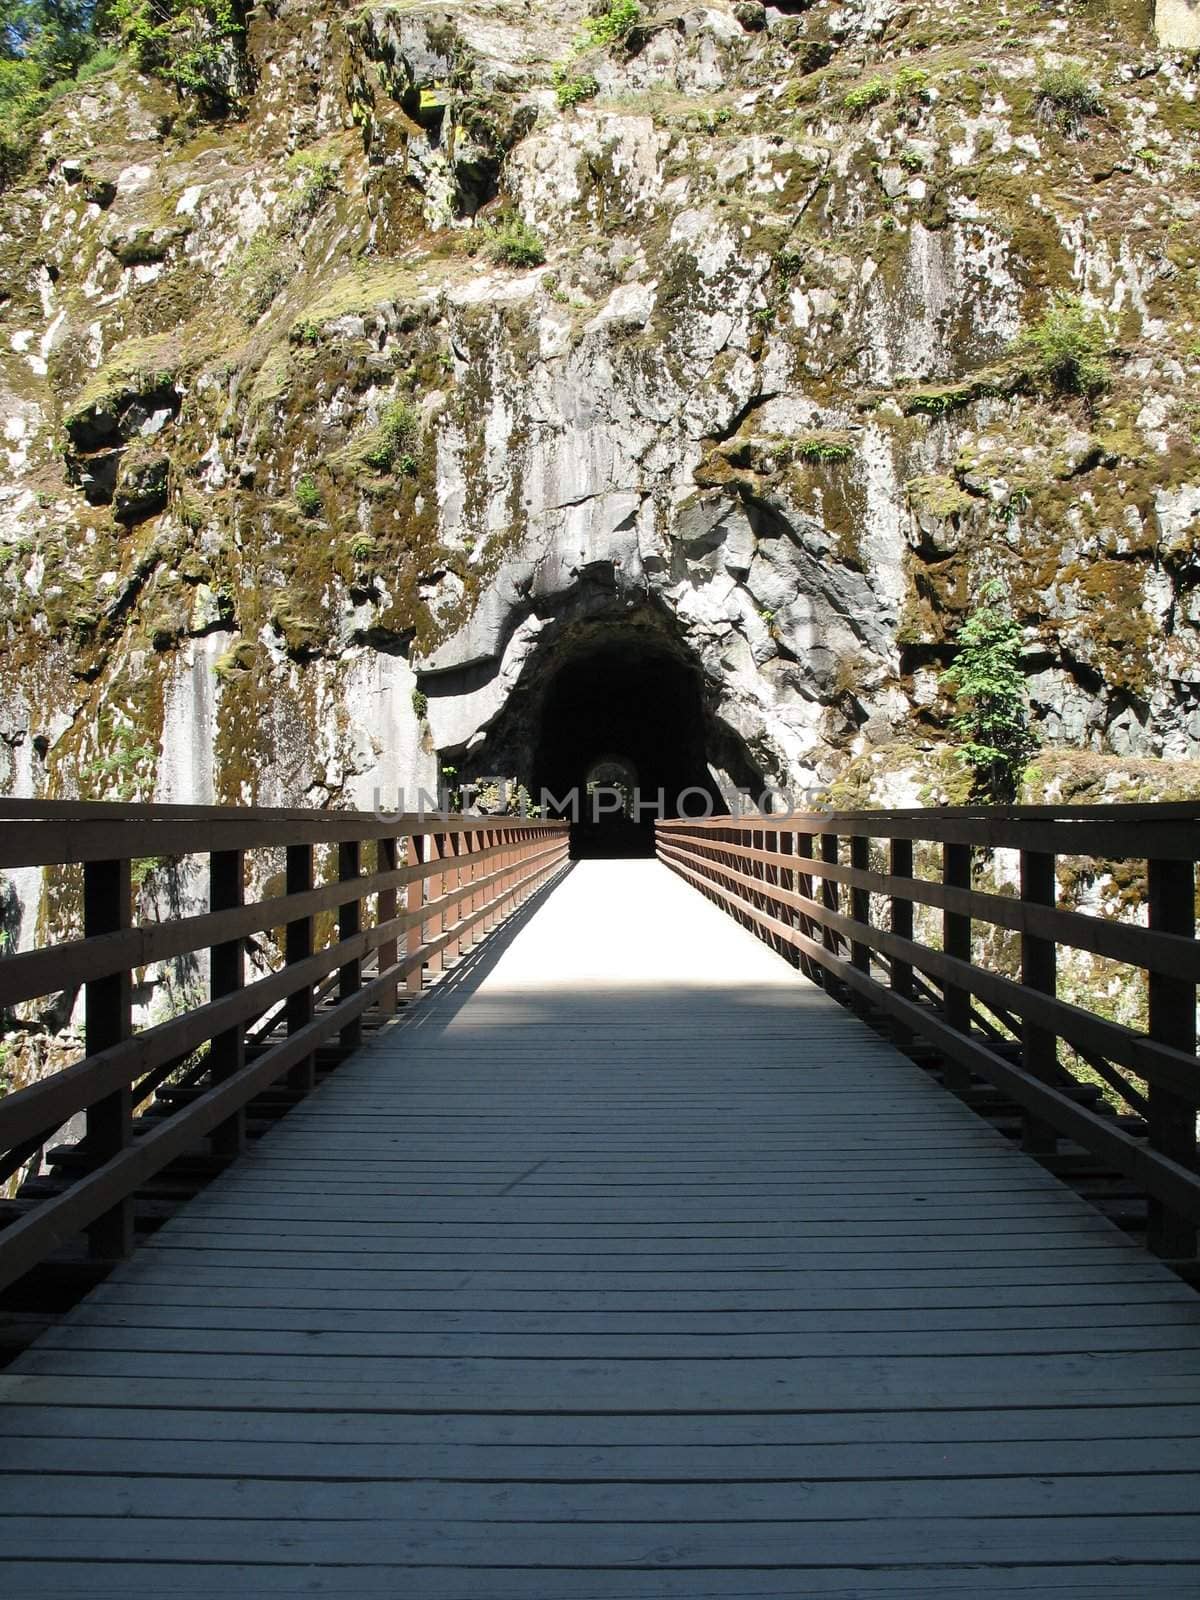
{"x":847,"y":896}
{"x":426,"y":891}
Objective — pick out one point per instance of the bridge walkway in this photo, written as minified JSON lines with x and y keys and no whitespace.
{"x":628,"y":1264}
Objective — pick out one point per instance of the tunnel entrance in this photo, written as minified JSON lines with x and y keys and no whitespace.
{"x":621,"y":723}
{"x":607,"y":711}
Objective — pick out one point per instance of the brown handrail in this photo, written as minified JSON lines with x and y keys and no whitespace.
{"x":804,"y":883}
{"x":435,"y":887}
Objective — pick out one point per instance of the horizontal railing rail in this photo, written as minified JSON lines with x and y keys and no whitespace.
{"x":433,"y":888}
{"x":814,"y":886}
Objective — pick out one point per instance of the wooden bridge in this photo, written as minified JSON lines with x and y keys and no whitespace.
{"x":513,"y":1228}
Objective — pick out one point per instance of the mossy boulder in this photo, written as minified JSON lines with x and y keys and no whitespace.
{"x":141,"y":484}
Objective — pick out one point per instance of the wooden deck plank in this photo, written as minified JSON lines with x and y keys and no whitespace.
{"x":221,"y":1580}
{"x":643,"y":1545}
{"x":627,"y":1266}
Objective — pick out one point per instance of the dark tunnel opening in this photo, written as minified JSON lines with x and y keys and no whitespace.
{"x":620,"y":726}
{"x":617,"y":700}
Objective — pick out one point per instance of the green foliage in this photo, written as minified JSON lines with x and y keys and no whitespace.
{"x":118,"y":770}
{"x":308,"y":497}
{"x":143,"y":867}
{"x":993,"y":718}
{"x":817,"y":448}
{"x":101,"y":60}
{"x":1063,"y":95}
{"x":789,"y":262}
{"x":933,"y":404}
{"x":259,"y":271}
{"x":420,"y":705}
{"x":514,"y":242}
{"x":45,"y":47}
{"x":912,"y":160}
{"x":1066,"y":351}
{"x":317,"y":176}
{"x":865,"y":95}
{"x":618,"y":19}
{"x":910,"y":83}
{"x":570,"y":88}
{"x":395,"y":445}
{"x":50,"y":39}
{"x":185,"y":42}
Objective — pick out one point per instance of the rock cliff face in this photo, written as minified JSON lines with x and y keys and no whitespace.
{"x":476,"y":350}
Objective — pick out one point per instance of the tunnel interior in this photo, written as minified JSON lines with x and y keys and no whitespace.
{"x":622,"y":715}
{"x":612,"y":695}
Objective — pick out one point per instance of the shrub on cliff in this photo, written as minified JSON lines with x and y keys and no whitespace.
{"x":514,"y":242}
{"x":1066,"y":350}
{"x":572,"y":88}
{"x":618,"y":19}
{"x":1064,"y":96}
{"x":190,"y":43}
{"x":394,"y":448}
{"x":993,"y":718}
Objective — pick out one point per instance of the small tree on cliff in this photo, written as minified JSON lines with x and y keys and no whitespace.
{"x":993,"y":715}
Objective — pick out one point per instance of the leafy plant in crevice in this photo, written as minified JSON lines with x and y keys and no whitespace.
{"x":571,"y":88}
{"x":819,"y":449}
{"x":259,"y":273}
{"x":185,"y":42}
{"x":1066,"y":350}
{"x":865,"y":95}
{"x":615,"y":22}
{"x":308,"y":496}
{"x":118,"y":771}
{"x":513,"y":242}
{"x":394,"y":449}
{"x":1064,"y":96}
{"x":992,"y":722}
{"x":316,"y":176}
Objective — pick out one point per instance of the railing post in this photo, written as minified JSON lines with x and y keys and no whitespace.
{"x":1171,"y":1117}
{"x":507,"y":860}
{"x":298,"y":946}
{"x":804,"y":888}
{"x":451,"y":883}
{"x":385,"y":911}
{"x":956,"y":942}
{"x":226,"y":967}
{"x":414,"y":899}
{"x":830,"y":901}
{"x":470,"y":844}
{"x":860,"y":900}
{"x":108,"y":1011}
{"x":1039,"y":970}
{"x":787,"y":880}
{"x":900,"y":865}
{"x":350,"y":923}
{"x":435,"y":844}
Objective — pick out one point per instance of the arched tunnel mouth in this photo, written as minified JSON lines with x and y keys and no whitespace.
{"x":610,"y":726}
{"x":621,"y":739}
